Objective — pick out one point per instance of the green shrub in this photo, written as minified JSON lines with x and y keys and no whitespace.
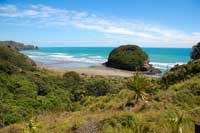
{"x":98,"y":87}
{"x":72,"y":76}
{"x":124,"y":120}
{"x":11,"y":118}
{"x":19,"y":96}
{"x":128,"y":57}
{"x":181,"y":73}
{"x":73,"y":82}
{"x":7,"y":67}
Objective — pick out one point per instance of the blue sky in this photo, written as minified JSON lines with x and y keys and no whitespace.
{"x":148,"y":23}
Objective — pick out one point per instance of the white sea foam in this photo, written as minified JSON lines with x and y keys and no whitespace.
{"x":95,"y":57}
{"x":61,"y":57}
{"x":165,"y":66}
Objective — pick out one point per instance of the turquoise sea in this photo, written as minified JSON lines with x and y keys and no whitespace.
{"x":162,"y":58}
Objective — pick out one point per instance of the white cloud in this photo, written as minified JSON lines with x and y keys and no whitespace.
{"x":120,"y":30}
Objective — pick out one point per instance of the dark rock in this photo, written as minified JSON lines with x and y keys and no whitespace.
{"x":153,"y":70}
{"x":195,"y":54}
{"x":150,"y":69}
{"x":43,"y":91}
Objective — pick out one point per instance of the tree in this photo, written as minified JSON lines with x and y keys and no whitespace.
{"x":139,"y":84}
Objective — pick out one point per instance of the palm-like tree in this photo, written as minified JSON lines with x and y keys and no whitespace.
{"x":138,"y":84}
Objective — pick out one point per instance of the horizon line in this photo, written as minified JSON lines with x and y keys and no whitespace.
{"x":106,"y":47}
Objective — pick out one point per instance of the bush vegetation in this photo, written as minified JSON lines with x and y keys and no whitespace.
{"x":128,"y":57}
{"x":36,"y":100}
{"x":13,"y":59}
{"x":181,"y":72}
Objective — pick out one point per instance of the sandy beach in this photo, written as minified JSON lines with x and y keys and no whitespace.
{"x":92,"y":71}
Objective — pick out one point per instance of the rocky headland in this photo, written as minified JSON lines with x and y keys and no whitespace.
{"x":18,"y":46}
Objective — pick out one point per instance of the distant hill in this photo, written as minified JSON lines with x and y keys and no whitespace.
{"x":18,"y":46}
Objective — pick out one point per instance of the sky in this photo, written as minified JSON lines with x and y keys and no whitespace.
{"x":101,"y":23}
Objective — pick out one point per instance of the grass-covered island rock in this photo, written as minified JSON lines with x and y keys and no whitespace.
{"x":130,"y":57}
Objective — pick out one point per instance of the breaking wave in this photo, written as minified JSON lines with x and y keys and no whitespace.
{"x":165,"y":66}
{"x":62,"y":58}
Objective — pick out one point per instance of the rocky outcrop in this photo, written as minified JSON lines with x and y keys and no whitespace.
{"x":195,"y":54}
{"x":132,"y":58}
{"x":18,"y":46}
{"x":150,"y":69}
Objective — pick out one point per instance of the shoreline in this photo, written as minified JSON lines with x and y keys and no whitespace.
{"x":93,"y":71}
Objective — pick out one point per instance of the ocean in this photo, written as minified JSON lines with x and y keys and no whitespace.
{"x":162,"y":58}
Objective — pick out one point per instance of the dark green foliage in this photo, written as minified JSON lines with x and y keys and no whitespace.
{"x":7,"y":67}
{"x":72,"y":78}
{"x":181,"y":73}
{"x":98,"y":87}
{"x":72,"y":75}
{"x":22,"y":92}
{"x":195,"y":54}
{"x":128,"y":57}
{"x":11,"y":118}
{"x":73,"y":82}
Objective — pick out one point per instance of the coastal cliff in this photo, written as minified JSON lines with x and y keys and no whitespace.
{"x":18,"y":46}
